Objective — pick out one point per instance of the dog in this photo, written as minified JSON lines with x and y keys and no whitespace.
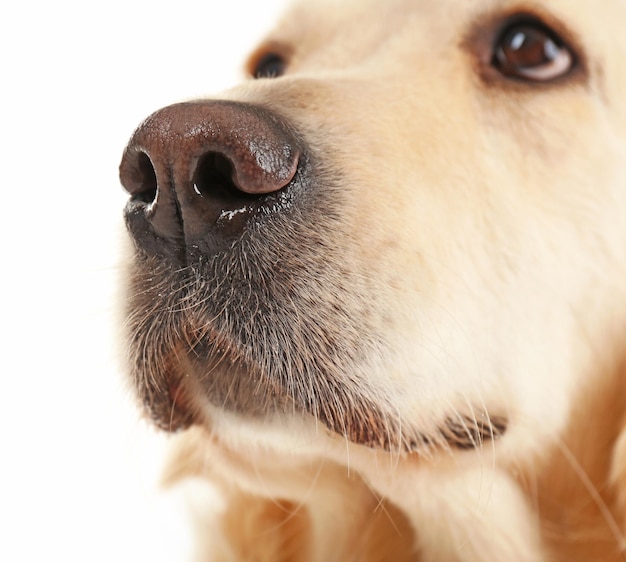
{"x":377,"y":292}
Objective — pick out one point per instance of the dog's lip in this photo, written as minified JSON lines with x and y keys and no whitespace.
{"x":170,"y":404}
{"x":171,"y":417}
{"x":178,"y":396}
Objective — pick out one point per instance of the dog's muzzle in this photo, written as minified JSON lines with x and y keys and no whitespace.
{"x":239,"y":297}
{"x":198,"y":172}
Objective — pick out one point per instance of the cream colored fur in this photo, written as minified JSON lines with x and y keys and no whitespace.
{"x":486,"y":224}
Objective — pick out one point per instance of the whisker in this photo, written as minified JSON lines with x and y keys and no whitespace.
{"x":594,"y":494}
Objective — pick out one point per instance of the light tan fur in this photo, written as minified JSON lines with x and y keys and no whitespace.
{"x":481,"y":248}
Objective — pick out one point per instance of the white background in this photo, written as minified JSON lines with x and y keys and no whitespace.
{"x":77,"y":468}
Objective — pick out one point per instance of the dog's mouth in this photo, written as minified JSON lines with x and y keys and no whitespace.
{"x":256,"y":334}
{"x":247,"y":348}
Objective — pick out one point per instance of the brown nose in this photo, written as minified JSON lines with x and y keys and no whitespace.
{"x":199,"y":169}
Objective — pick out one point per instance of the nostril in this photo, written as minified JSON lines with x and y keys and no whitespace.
{"x":138,"y":175}
{"x":146,"y":179}
{"x":213,"y":178}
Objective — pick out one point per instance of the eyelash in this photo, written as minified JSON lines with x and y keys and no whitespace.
{"x":269,"y":65}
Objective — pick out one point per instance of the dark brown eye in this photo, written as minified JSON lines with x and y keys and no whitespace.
{"x":532,"y":52}
{"x":270,"y":65}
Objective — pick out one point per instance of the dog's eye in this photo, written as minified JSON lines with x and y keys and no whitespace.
{"x":530,"y":51}
{"x":270,"y":65}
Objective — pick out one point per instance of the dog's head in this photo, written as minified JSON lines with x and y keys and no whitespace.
{"x":407,"y":229}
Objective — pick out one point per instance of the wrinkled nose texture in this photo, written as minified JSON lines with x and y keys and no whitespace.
{"x":199,"y":168}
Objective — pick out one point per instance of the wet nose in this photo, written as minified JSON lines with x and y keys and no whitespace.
{"x":202,"y":168}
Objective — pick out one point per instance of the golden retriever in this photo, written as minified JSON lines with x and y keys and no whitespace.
{"x":379,"y":289}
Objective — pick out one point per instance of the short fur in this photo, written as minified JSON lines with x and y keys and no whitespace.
{"x":425,"y":360}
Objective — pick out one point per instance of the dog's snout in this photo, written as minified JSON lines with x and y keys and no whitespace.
{"x":197,"y":168}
